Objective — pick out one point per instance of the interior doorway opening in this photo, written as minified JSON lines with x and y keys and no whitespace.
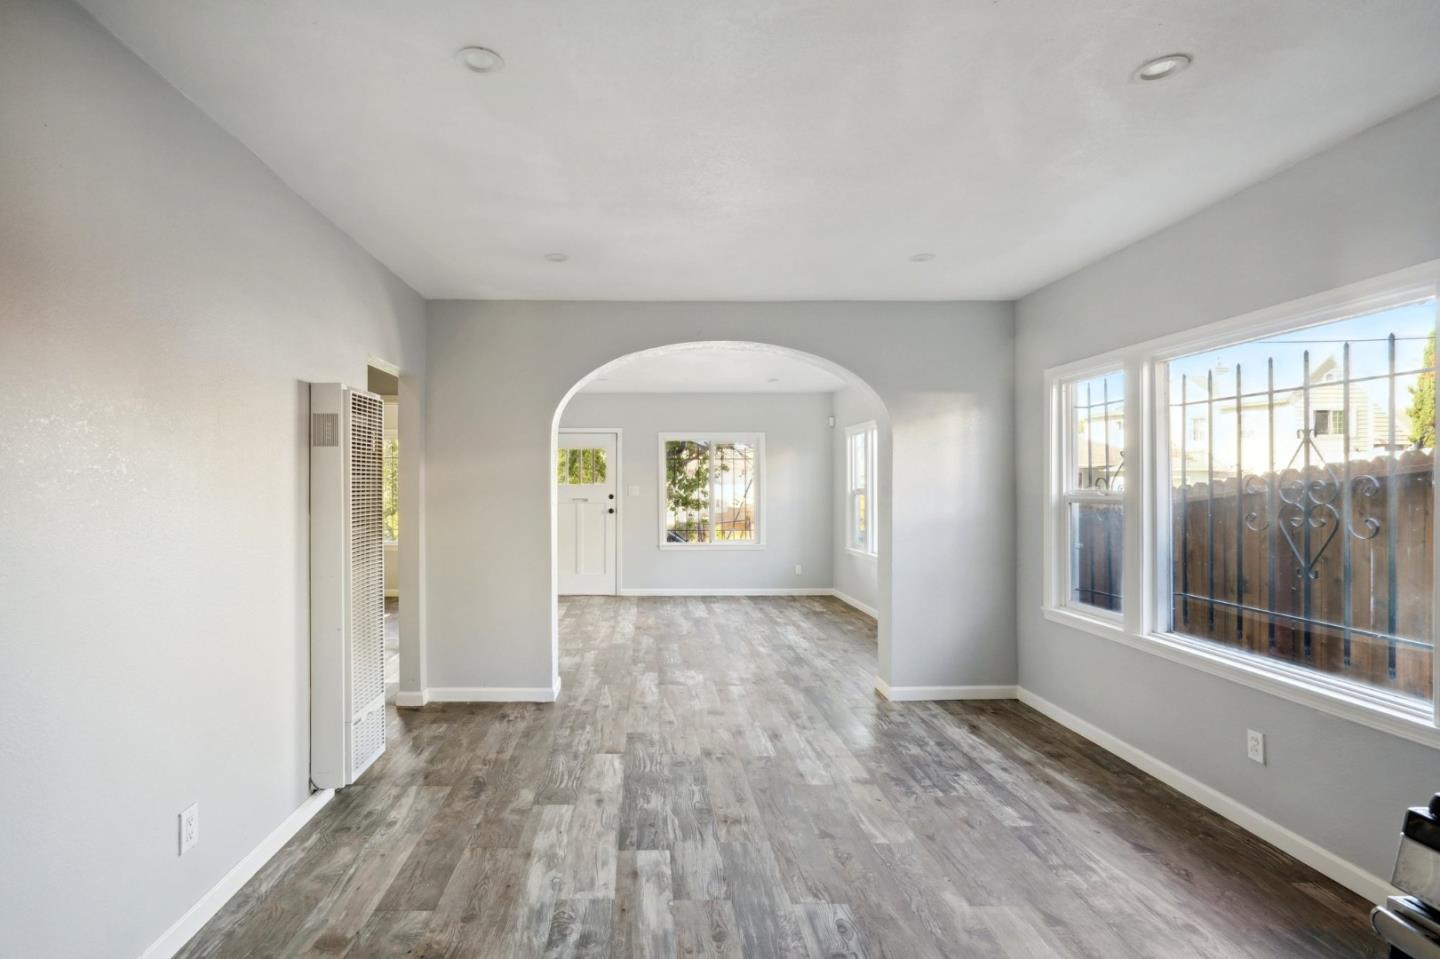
{"x":384,"y":381}
{"x":740,"y":475}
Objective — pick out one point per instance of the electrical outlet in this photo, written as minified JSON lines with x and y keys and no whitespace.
{"x":798,"y":569}
{"x":189,"y":828}
{"x":1255,"y":746}
{"x":634,"y":491}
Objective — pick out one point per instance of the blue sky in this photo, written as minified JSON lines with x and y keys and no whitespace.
{"x":1369,"y":352}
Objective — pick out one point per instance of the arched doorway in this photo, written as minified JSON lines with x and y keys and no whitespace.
{"x":639,"y":484}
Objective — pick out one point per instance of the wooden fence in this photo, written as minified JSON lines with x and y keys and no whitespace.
{"x":1267,"y":565}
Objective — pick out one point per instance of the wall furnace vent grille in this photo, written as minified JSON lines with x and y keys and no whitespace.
{"x":325,"y":429}
{"x":367,"y":575}
{"x":347,"y":583}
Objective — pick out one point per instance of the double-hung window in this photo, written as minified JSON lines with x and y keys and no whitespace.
{"x":1287,"y":503}
{"x":1091,"y":504}
{"x":711,"y":490}
{"x":860,"y":458}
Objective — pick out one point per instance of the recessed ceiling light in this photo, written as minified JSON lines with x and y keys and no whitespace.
{"x":481,"y":59}
{"x":773,"y":379}
{"x":557,"y":257}
{"x":922,"y":257}
{"x":1162,"y":67}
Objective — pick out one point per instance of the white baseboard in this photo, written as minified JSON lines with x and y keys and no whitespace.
{"x":865,"y":608}
{"x":487,"y":694}
{"x":197,"y":915}
{"x":736,"y":591}
{"x":914,"y":694}
{"x":405,"y":699}
{"x":849,"y":600}
{"x":1365,"y":884}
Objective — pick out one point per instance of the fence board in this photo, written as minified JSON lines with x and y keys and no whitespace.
{"x":1279,"y":622}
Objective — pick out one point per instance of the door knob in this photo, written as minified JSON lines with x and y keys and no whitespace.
{"x":611,"y":510}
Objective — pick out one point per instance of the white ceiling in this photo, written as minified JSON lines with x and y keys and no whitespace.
{"x":775,"y":149}
{"x":714,"y":368}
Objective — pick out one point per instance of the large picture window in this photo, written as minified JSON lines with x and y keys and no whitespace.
{"x":860,"y":458}
{"x":710,"y":488}
{"x":1301,"y":492}
{"x":1257,"y":499}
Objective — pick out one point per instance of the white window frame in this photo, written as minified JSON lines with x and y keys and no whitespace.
{"x":754,"y":439}
{"x":1146,"y":586}
{"x":871,"y":549}
{"x":1063,"y":497}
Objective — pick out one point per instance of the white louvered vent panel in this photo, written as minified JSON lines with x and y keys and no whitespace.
{"x":368,"y":738}
{"x":367,"y":578}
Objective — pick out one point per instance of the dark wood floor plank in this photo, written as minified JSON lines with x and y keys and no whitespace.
{"x":718,"y":779}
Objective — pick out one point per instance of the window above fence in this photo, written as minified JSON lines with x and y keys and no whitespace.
{"x":1091,"y":500}
{"x":1301,"y":488}
{"x":1286,"y":478}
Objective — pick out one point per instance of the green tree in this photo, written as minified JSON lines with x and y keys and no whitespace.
{"x":1422,"y":402}
{"x":687,"y":489}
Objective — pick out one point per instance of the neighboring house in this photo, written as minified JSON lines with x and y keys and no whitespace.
{"x":1368,"y":425}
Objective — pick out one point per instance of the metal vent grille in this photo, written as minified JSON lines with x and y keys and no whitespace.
{"x":325,"y":429}
{"x":368,"y":737}
{"x":367,"y":578}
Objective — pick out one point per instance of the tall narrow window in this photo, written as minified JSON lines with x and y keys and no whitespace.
{"x":390,"y":473}
{"x":710,"y":489}
{"x":860,"y":458}
{"x":1301,"y":497}
{"x":1092,"y":491}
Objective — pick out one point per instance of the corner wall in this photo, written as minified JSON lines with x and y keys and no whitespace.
{"x":1366,"y":207}
{"x":164,"y":298}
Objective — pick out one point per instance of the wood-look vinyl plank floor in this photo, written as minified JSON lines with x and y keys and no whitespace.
{"x":718,"y":779}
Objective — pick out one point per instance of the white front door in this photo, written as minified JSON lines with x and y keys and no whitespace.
{"x":585,"y":475}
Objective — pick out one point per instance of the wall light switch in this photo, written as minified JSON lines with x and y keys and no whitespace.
{"x":1255,"y":746}
{"x":634,"y":491}
{"x":798,"y":569}
{"x":189,"y":828}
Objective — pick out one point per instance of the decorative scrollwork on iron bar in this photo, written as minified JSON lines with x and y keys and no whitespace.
{"x":1106,"y":480}
{"x":1308,"y":503}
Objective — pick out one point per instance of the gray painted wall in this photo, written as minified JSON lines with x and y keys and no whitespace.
{"x":856,"y":574}
{"x":1369,"y":206}
{"x":165,"y":296}
{"x":795,"y":493}
{"x":498,"y":372}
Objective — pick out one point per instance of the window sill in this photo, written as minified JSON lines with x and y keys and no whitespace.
{"x":723,"y":547}
{"x":1089,"y":622}
{"x":861,"y":553}
{"x":1390,"y":714}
